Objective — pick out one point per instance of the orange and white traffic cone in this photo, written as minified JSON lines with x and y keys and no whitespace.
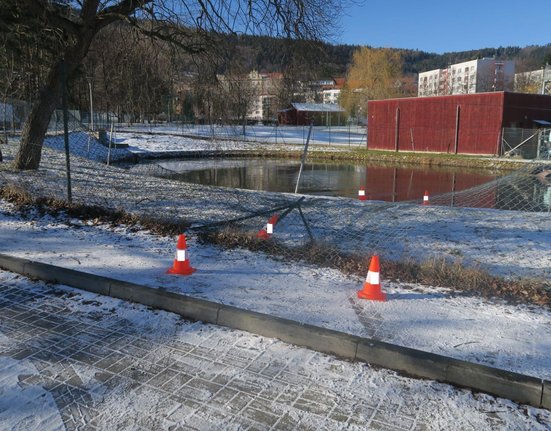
{"x":181,"y":264}
{"x":426,"y":198}
{"x":269,"y":230}
{"x":372,"y":286}
{"x":361,"y":194}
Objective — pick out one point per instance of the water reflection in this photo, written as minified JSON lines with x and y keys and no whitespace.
{"x":385,"y":183}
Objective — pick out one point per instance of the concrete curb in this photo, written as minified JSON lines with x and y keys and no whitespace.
{"x":516,"y":387}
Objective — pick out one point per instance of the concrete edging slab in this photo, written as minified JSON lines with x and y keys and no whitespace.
{"x":403,"y":359}
{"x":316,"y":338}
{"x":81,"y":280}
{"x":546,"y":395}
{"x":416,"y":363}
{"x":186,"y":306}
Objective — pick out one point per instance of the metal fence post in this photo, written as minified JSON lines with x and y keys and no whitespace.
{"x":303,"y":159}
{"x":110,"y":140}
{"x":64,"y":98}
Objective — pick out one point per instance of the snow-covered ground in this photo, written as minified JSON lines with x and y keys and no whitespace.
{"x":511,"y":337}
{"x":72,"y":360}
{"x":170,"y":141}
{"x":159,"y":141}
{"x":353,"y":136}
{"x":505,"y":243}
{"x":491,"y":332}
{"x":159,"y":144}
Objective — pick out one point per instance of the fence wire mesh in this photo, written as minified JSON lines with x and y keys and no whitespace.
{"x":502,"y":226}
{"x":527,"y":143}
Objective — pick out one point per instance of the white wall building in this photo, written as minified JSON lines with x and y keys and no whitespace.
{"x":331,"y":96}
{"x":266,"y":87}
{"x":330,"y":92}
{"x":476,"y":76}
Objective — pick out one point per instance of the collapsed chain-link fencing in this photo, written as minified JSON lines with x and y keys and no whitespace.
{"x":465,"y":226}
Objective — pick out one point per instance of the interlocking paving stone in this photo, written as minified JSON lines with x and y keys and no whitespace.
{"x":104,"y":369}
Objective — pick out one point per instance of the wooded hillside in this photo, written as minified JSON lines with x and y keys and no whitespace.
{"x":269,"y":54}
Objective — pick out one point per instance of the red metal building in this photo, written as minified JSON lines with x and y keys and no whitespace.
{"x":460,"y":124}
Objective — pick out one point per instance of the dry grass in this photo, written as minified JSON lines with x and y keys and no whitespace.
{"x":433,"y":272}
{"x":25,"y":202}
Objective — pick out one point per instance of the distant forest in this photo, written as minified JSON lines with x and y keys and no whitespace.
{"x":267,"y":54}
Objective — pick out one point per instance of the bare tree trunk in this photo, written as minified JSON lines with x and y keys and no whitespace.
{"x":35,"y":128}
{"x":36,"y":125}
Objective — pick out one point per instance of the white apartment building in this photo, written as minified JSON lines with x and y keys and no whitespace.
{"x":476,"y":76}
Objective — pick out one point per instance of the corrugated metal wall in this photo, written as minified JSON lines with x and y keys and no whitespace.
{"x":465,"y":124}
{"x":468,"y":124}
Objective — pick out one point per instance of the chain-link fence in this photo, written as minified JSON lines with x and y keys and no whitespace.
{"x":527,"y":143}
{"x":352,"y":136}
{"x":12,"y":115}
{"x":464,"y":229}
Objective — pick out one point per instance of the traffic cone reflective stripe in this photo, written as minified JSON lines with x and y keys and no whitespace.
{"x":361,"y":194}
{"x":269,"y":230}
{"x":426,"y":198}
{"x":372,"y":278}
{"x":181,"y":265}
{"x":372,"y":286}
{"x":180,"y":255}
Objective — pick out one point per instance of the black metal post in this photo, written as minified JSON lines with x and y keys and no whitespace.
{"x":304,"y":154}
{"x":64,"y":98}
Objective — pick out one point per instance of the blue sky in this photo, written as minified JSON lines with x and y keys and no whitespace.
{"x":443,"y":26}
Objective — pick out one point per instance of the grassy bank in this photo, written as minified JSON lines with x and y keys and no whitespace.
{"x":405,"y":158}
{"x":435,"y":271}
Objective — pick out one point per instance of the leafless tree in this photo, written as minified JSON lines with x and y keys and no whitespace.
{"x":8,"y":83}
{"x":72,"y":26}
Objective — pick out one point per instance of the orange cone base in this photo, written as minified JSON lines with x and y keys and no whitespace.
{"x":262,"y":234}
{"x":181,"y":268}
{"x":372,"y":292}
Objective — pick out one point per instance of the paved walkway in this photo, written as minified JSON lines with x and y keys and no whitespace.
{"x":72,"y":360}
